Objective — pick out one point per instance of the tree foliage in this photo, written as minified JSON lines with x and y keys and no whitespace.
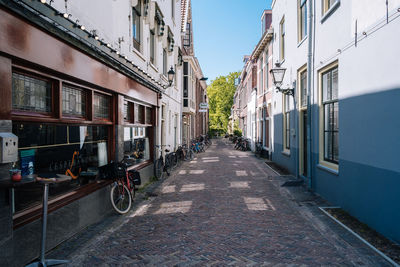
{"x":220,"y":96}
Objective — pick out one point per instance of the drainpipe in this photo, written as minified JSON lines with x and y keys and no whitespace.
{"x":309,"y":90}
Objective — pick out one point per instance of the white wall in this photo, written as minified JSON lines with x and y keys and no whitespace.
{"x":295,"y":58}
{"x":112,"y":20}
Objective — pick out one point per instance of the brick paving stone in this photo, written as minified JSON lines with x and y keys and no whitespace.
{"x":199,"y":219}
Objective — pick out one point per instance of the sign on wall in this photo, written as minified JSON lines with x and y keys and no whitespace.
{"x":203,"y":105}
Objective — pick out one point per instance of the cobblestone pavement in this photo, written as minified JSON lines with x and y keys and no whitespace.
{"x":224,"y":208}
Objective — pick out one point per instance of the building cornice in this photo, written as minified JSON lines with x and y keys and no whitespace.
{"x":265,"y":39}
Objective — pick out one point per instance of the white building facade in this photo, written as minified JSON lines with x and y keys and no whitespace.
{"x":147,"y":33}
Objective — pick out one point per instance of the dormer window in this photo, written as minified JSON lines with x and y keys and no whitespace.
{"x":186,"y":38}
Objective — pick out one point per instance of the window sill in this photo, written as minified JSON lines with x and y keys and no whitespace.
{"x":329,"y":169}
{"x":302,"y":41}
{"x":329,"y":12}
{"x":139,"y":54}
{"x":136,"y":124}
{"x":286,"y":153}
{"x":140,"y":165}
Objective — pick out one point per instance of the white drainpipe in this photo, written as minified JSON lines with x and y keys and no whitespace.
{"x":309,"y":90}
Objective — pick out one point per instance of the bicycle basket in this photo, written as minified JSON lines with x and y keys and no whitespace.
{"x":107,"y":171}
{"x":112,"y":170}
{"x":120,"y":170}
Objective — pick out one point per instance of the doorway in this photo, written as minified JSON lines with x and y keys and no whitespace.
{"x":303,"y":143}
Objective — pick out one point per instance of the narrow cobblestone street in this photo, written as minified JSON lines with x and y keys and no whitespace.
{"x":224,"y":208}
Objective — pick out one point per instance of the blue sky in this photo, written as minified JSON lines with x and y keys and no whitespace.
{"x":224,"y":31}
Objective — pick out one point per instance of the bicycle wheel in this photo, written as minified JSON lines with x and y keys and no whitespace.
{"x":180,"y":155}
{"x":167,"y":166}
{"x":158,"y":168}
{"x":187,"y":156}
{"x":174,"y":160}
{"x":120,"y":198}
{"x":191,"y":154}
{"x":133,"y":186}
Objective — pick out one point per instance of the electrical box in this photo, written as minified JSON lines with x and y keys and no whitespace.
{"x":8,"y":148}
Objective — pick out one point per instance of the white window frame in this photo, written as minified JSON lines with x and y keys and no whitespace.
{"x":282,"y":34}
{"x":302,"y":20}
{"x":327,"y":11}
{"x":322,"y":161}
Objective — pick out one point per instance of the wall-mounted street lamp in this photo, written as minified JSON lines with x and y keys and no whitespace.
{"x":203,"y":79}
{"x":277,"y":76}
{"x":171,"y":75}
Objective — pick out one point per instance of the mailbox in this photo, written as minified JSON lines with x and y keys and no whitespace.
{"x":8,"y":147}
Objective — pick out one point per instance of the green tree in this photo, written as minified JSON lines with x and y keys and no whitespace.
{"x":220,"y":96}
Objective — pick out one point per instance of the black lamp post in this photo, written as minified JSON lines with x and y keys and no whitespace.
{"x":277,"y":76}
{"x":171,"y":75}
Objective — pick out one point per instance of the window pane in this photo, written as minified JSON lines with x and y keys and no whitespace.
{"x":335,"y":151}
{"x":128,"y":111}
{"x":336,"y":116}
{"x":32,"y":135}
{"x":328,"y":116}
{"x":134,"y":24}
{"x":136,"y":147}
{"x":185,"y":86}
{"x":136,"y":14}
{"x":73,"y":101}
{"x":287,"y":120}
{"x":152,"y":47}
{"x":335,"y":83}
{"x":303,"y":88}
{"x":185,"y":68}
{"x":164,"y":62}
{"x":326,"y":86}
{"x":140,"y":114}
{"x":45,"y":149}
{"x":101,"y":106}
{"x":186,"y":38}
{"x":148,"y":115}
{"x":30,"y":93}
{"x":328,"y":145}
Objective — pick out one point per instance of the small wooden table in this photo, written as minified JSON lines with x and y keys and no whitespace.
{"x":46,"y":182}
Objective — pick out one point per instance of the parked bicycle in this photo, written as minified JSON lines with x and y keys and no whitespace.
{"x":161,"y":166}
{"x":242,"y":144}
{"x":180,"y":153}
{"x":172,"y":159}
{"x":199,"y":144}
{"x":124,"y":186}
{"x":207,"y":141}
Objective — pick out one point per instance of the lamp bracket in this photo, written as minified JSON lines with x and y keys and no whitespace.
{"x":286,"y":91}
